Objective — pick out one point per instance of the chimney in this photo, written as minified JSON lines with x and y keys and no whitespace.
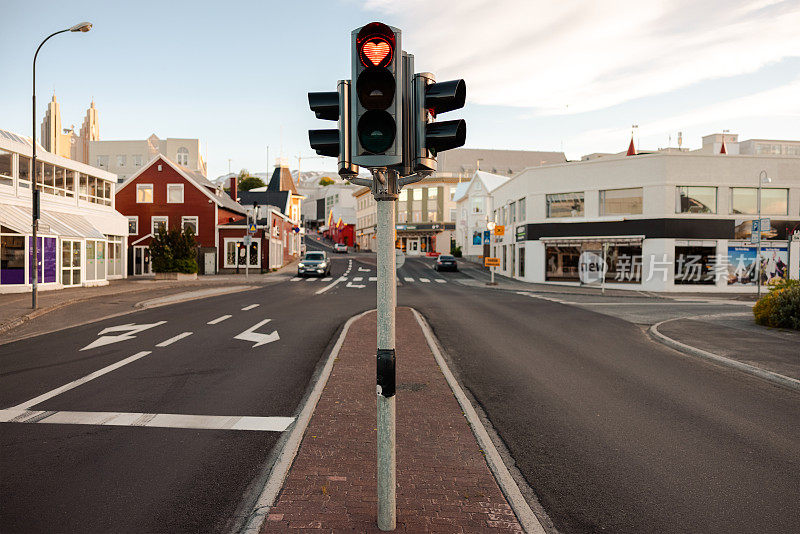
{"x":234,"y":191}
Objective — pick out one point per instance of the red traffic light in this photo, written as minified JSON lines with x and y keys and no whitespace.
{"x":375,"y":43}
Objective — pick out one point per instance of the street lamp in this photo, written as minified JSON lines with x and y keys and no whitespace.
{"x":762,"y":179}
{"x":490,"y":226}
{"x":82,"y":27}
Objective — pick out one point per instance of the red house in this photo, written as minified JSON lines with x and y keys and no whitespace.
{"x":164,"y":193}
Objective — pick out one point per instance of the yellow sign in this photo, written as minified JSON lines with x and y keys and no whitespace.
{"x":499,"y":230}
{"x":491,"y":262}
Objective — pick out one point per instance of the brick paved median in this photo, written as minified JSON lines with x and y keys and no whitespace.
{"x":443,"y":482}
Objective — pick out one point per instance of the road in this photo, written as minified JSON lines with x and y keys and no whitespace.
{"x":612,"y":431}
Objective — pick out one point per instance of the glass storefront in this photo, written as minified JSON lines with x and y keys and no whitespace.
{"x":12,"y":258}
{"x":624,"y":261}
{"x":695,"y":265}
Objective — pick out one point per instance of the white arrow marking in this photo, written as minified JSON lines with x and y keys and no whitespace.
{"x":261,"y":339}
{"x":130,"y":330}
{"x":363,"y":270}
{"x":351,"y":284}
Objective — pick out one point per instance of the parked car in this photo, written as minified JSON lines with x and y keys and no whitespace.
{"x":340,"y":247}
{"x":445,"y":263}
{"x":314,"y":263}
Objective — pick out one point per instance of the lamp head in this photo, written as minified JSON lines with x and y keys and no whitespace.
{"x":490,"y":225}
{"x":81,"y":27}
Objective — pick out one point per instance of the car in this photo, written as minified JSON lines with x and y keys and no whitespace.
{"x":445,"y":263}
{"x":340,"y":247}
{"x":314,"y":263}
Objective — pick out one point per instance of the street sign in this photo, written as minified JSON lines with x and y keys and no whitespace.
{"x":765,"y":225}
{"x":247,"y":240}
{"x":487,"y":236}
{"x":499,"y":230}
{"x":755,"y":233}
{"x":251,"y":228}
{"x":491,"y":262}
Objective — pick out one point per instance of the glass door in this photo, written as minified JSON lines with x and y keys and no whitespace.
{"x":71,"y":262}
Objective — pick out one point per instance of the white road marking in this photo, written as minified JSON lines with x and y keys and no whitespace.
{"x":248,"y":308}
{"x":219,"y":319}
{"x":129,"y":330}
{"x":261,"y":339}
{"x":373,"y":278}
{"x":159,"y":420}
{"x":172,"y":340}
{"x":80,"y":381}
{"x":425,"y":280}
{"x":441,"y":281}
{"x":351,"y":284}
{"x":295,"y":279}
{"x":332,"y":284}
{"x":311,"y":279}
{"x":327,"y":279}
{"x":408,"y":279}
{"x":357,"y":279}
{"x":361,"y":269}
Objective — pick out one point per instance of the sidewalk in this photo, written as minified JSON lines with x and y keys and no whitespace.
{"x":443,"y":481}
{"x":16,"y":312}
{"x":738,"y":338}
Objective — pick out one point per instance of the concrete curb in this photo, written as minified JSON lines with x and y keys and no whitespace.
{"x":775,"y":378}
{"x":508,"y":486}
{"x":285,"y":458}
{"x":191,"y":295}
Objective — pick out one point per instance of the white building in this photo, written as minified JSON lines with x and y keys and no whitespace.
{"x":475,"y":206}
{"x":125,"y":158}
{"x":80,"y":234}
{"x":668,"y":221}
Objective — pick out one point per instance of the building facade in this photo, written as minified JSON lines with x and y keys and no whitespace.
{"x":366,"y":219}
{"x":80,"y":233}
{"x":126,"y":158}
{"x":475,"y":207}
{"x":663,"y":221}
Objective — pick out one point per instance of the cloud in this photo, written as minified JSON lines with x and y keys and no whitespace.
{"x":574,"y":57}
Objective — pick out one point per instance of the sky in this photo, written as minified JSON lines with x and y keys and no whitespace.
{"x":571,"y":76}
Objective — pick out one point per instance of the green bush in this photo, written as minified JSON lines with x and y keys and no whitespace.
{"x":780,"y":308}
{"x":174,"y":251}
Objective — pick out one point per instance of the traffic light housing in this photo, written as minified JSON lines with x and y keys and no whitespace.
{"x":333,"y":142}
{"x":377,"y":96}
{"x":430,"y":99}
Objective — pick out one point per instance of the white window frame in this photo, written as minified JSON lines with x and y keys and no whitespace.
{"x":122,"y":160}
{"x":140,"y":187}
{"x":133,"y":219}
{"x":227,"y":240}
{"x":137,"y":160}
{"x":155,"y":219}
{"x":193,"y":218}
{"x":182,"y":155}
{"x":173,"y":187}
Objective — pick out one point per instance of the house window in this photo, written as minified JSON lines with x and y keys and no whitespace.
{"x":433,"y":192}
{"x":432,"y":216}
{"x":190,"y":222}
{"x":175,"y":193}
{"x":695,"y":199}
{"x":183,"y":156}
{"x":102,"y":162}
{"x":133,"y":225}
{"x":24,"y":170}
{"x":236,"y":253}
{"x":144,"y":193}
{"x":416,"y":216}
{"x":621,"y":201}
{"x":477,"y":205}
{"x":137,"y":160}
{"x":512,"y":212}
{"x":416,"y":194}
{"x":5,"y":168}
{"x":521,"y":211}
{"x":565,"y":205}
{"x":159,"y":223}
{"x":452,"y":215}
{"x":744,"y":200}
{"x":121,"y":160}
{"x":402,"y":217}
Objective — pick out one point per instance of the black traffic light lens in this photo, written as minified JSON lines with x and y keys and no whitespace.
{"x":376,"y":131}
{"x":375,"y":88}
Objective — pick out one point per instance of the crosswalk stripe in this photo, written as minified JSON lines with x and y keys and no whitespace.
{"x":296,"y":278}
{"x":408,"y":279}
{"x":326,"y":279}
{"x":424,"y":280}
{"x":441,"y":281}
{"x":311,"y":279}
{"x":373,"y":278}
{"x":357,"y":279}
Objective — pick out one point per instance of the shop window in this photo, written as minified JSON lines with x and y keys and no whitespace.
{"x":5,"y":168}
{"x":175,"y":193}
{"x":624,"y":262}
{"x":12,"y":259}
{"x":144,"y":193}
{"x":24,"y":170}
{"x":621,"y":201}
{"x":744,"y":200}
{"x":695,"y":265}
{"x":565,"y":205}
{"x":696,"y":199}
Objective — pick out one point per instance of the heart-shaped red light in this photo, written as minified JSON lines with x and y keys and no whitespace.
{"x":376,"y":51}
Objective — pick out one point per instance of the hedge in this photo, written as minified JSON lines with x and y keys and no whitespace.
{"x":780,"y":308}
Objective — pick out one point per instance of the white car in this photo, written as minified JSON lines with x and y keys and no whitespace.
{"x":340,"y":247}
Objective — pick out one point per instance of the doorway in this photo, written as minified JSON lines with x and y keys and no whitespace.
{"x":141,"y":261}
{"x":412,"y":246}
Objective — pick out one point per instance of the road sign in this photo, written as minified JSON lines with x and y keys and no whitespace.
{"x":499,"y":230}
{"x":765,"y":225}
{"x":487,"y":236}
{"x":251,"y":228}
{"x":247,"y":240}
{"x":755,"y":233}
{"x":491,"y":262}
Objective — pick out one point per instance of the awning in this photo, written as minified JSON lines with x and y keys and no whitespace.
{"x":593,"y":240}
{"x":18,"y":218}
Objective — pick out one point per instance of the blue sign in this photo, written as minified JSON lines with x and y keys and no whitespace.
{"x":487,"y":237}
{"x":251,"y":228}
{"x":755,"y":233}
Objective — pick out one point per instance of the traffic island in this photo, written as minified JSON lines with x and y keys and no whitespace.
{"x":443,"y":480}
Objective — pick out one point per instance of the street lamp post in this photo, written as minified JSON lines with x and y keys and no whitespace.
{"x":80,"y":27}
{"x":490,"y":226}
{"x":762,"y":179}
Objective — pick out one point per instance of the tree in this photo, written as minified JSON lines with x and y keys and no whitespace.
{"x":174,"y":251}
{"x":325,"y":181}
{"x":250,"y":182}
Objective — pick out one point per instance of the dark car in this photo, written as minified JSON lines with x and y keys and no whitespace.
{"x":314,"y":263}
{"x":445,"y":263}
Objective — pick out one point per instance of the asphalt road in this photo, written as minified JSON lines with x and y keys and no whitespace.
{"x":612,"y":431}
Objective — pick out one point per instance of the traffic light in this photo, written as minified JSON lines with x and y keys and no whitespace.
{"x":333,"y":142}
{"x":377,"y":96}
{"x":429,"y":100}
